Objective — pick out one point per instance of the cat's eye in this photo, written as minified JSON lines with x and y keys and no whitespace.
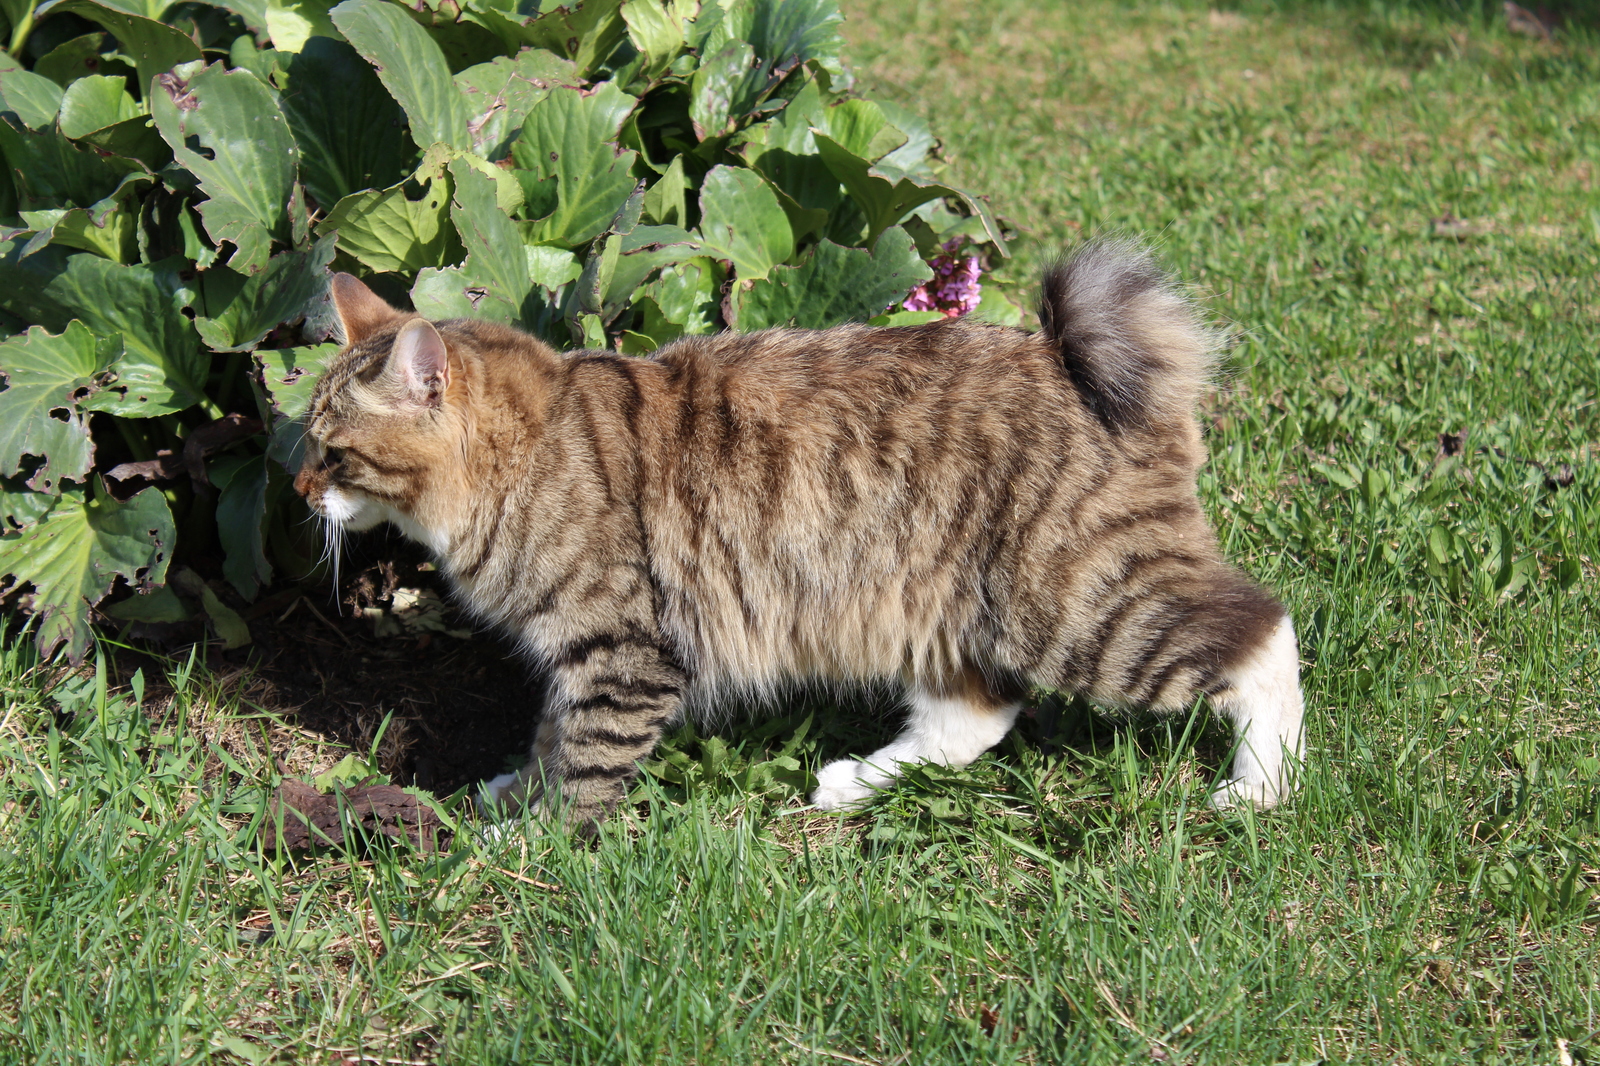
{"x":332,"y":457}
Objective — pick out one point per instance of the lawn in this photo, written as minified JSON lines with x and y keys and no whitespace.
{"x":1395,"y":211}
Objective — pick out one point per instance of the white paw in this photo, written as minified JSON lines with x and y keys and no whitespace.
{"x":494,"y":795}
{"x":1238,"y":793}
{"x":842,"y":786}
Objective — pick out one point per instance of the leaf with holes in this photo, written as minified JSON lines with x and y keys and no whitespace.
{"x":289,"y":375}
{"x":493,"y":282}
{"x":225,"y":127}
{"x":46,"y":377}
{"x":499,"y":95}
{"x":405,"y":227}
{"x":162,"y":366}
{"x":77,"y":550}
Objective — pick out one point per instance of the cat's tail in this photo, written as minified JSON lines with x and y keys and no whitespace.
{"x":1135,"y":346}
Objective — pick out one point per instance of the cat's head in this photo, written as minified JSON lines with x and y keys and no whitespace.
{"x":386,"y":424}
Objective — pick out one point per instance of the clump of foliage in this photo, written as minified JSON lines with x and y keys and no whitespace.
{"x":182,"y":179}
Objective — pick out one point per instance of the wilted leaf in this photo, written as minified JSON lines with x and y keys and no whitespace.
{"x":570,"y":137}
{"x":225,"y":128}
{"x":834,"y":285}
{"x":412,"y":68}
{"x":742,"y":222}
{"x":77,"y":550}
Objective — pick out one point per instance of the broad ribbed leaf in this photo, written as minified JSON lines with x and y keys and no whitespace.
{"x":412,"y":67}
{"x":571,"y":137}
{"x":237,"y":311}
{"x":585,"y":33}
{"x":92,"y":53}
{"x":500,"y":94}
{"x":226,"y":129}
{"x":162,"y":366}
{"x":352,"y":135}
{"x":45,"y":378}
{"x":656,"y":30}
{"x":834,"y":285}
{"x":861,"y":128}
{"x":790,"y":32}
{"x":403,"y":228}
{"x":74,"y":553}
{"x":493,"y":282}
{"x":154,"y":47}
{"x":742,"y":222}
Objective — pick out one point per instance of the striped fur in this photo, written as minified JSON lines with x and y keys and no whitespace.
{"x":967,"y":508}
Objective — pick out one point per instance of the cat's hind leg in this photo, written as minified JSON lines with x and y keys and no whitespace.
{"x":1212,"y":631}
{"x":950,"y":723}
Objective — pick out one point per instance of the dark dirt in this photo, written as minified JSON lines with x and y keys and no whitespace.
{"x":463,"y":709}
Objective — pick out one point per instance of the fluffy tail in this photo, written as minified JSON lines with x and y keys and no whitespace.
{"x":1135,"y":346}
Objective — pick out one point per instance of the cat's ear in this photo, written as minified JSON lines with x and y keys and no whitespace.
{"x":419,"y":365}
{"x":361,"y":310}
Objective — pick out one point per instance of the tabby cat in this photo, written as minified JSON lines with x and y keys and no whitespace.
{"x":968,"y":508}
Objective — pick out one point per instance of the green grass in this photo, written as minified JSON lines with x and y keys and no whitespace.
{"x":1432,"y":894}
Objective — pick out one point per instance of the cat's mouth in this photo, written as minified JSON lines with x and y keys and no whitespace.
{"x":346,"y":510}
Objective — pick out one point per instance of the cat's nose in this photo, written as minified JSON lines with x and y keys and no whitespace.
{"x":302,"y":482}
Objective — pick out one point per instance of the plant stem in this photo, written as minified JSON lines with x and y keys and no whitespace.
{"x":19,"y":33}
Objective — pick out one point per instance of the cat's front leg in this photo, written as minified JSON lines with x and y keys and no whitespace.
{"x":611,"y":693}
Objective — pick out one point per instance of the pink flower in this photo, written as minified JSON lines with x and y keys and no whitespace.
{"x":954,"y":288}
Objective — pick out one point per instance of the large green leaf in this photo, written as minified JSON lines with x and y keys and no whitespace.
{"x":154,"y":47}
{"x":493,"y":282}
{"x":834,"y":285}
{"x":571,"y":137}
{"x":33,"y":98}
{"x":741,"y":221}
{"x":49,"y":171}
{"x":241,"y":483}
{"x":292,"y":24}
{"x":352,"y":135}
{"x":403,"y":228}
{"x":885,"y":193}
{"x":107,"y":228}
{"x":656,"y":28}
{"x":500,"y":94}
{"x":786,"y":33}
{"x":289,"y":375}
{"x":92,"y":53}
{"x":72,"y":556}
{"x":237,"y":311}
{"x":585,"y":33}
{"x":162,"y":366}
{"x":412,"y":67}
{"x":45,"y":378}
{"x":726,"y":88}
{"x":225,"y":127}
